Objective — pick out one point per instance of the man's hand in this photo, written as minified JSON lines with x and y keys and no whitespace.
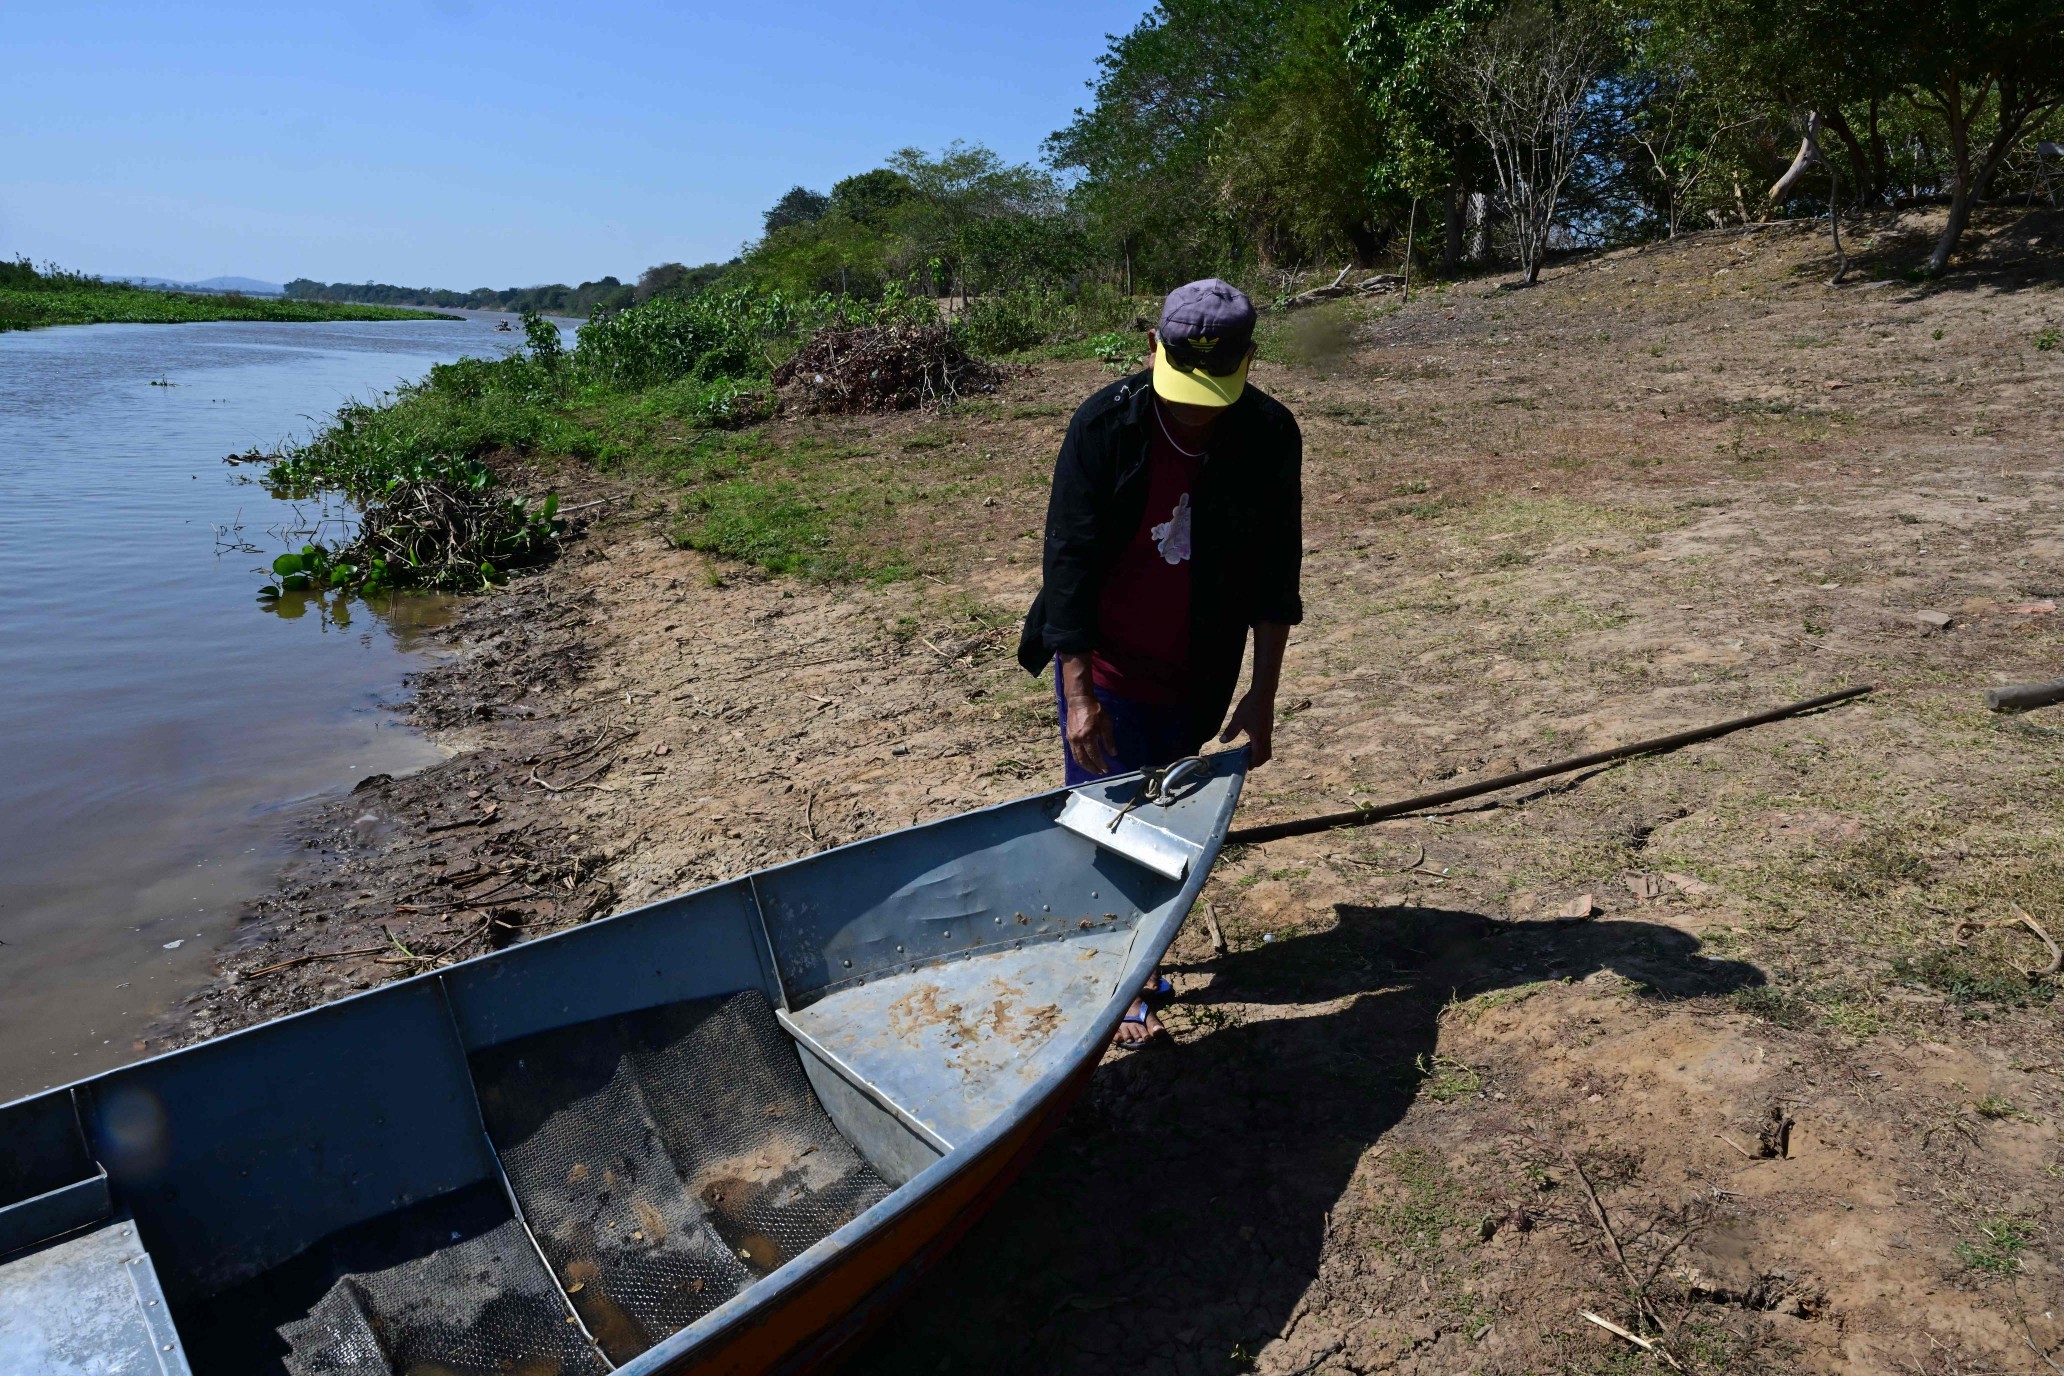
{"x":1256,"y":715}
{"x":1092,"y":740}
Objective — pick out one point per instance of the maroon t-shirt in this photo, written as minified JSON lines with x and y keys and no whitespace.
{"x":1143,"y":614}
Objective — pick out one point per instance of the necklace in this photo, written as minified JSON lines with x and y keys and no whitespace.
{"x":1166,"y":434}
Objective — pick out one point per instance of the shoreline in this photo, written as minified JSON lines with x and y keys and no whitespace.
{"x":592,"y":765}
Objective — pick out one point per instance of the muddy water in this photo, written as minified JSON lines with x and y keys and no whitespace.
{"x":155,"y":720}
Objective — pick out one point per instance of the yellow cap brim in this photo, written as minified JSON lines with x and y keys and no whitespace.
{"x":1188,"y":387}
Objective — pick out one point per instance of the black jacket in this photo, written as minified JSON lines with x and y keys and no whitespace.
{"x":1246,"y":533}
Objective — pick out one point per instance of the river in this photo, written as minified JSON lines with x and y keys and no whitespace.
{"x":155,"y":720}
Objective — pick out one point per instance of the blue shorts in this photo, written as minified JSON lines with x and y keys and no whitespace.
{"x":1150,"y":734}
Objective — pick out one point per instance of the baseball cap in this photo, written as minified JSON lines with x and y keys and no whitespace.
{"x":1206,"y":334}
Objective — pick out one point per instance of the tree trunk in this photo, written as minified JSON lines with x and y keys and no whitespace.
{"x":1808,"y":154}
{"x":1880,"y":157}
{"x":1859,"y":161}
{"x":1834,"y":219}
{"x":1958,"y":120}
{"x":1451,"y":241}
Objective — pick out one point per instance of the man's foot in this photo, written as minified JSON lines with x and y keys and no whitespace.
{"x":1140,"y":1027}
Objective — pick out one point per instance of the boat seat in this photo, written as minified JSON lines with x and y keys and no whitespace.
{"x":956,"y":1044}
{"x":667,"y":1159}
{"x":449,"y":1284}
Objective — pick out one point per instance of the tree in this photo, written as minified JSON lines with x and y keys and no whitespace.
{"x":953,"y":194}
{"x":798,"y":206}
{"x":661,"y":278}
{"x":1522,"y":82}
{"x":1293,"y":158}
{"x":1970,"y":62}
{"x":1143,"y":147}
{"x":1682,"y":113}
{"x":1399,"y":49}
{"x":868,"y":198}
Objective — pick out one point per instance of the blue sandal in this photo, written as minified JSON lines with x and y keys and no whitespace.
{"x":1137,"y":1016}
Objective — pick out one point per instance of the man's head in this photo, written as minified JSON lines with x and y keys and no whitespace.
{"x":1204,"y":344}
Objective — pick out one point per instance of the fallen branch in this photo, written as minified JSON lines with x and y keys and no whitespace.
{"x":409,"y":958}
{"x":2019,"y":918}
{"x":487,"y":815}
{"x":550,"y":787}
{"x":583,"y":506}
{"x":304,"y":960}
{"x":1381,"y":283}
{"x":1639,"y":1292}
{"x":1643,"y":1343}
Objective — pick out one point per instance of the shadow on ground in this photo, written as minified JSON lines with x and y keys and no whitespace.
{"x":1179,"y":1213}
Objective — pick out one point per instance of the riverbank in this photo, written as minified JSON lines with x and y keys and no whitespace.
{"x":1819,"y":1117}
{"x":31,"y":300}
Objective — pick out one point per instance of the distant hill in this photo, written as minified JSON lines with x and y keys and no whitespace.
{"x":249,"y":286}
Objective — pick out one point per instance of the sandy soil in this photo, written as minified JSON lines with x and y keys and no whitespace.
{"x":1771,"y":1105}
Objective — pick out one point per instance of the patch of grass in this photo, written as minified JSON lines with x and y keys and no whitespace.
{"x":1997,"y":1250}
{"x":1443,"y":1078}
{"x":1472,"y":1009}
{"x":1964,"y":979}
{"x":1772,"y":1005}
{"x":933,"y":438}
{"x":2049,"y":339}
{"x":1872,"y":866}
{"x":1996,"y":1106}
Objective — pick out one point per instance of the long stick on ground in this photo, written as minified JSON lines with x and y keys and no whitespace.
{"x":1276,"y":831}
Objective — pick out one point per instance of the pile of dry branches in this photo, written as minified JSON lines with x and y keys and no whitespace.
{"x":890,"y":367}
{"x":432,"y":533}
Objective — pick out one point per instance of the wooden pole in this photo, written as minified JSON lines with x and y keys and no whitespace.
{"x":1411,"y":227}
{"x":1361,"y":817}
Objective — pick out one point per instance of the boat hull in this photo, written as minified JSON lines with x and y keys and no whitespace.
{"x":725,"y":1133}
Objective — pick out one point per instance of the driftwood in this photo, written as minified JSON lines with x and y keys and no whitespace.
{"x":1381,"y":284}
{"x":2020,"y":697}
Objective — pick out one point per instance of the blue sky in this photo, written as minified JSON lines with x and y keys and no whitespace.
{"x":459,"y":143}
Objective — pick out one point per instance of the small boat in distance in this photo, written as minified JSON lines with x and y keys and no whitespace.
{"x":717,"y":1134}
{"x":502,"y":327}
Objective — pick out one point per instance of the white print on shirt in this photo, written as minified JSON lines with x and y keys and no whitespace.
{"x":1172,"y":537}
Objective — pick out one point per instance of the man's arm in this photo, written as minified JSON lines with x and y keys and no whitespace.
{"x":1069,"y":565}
{"x":1256,"y":713}
{"x":1091,"y":739}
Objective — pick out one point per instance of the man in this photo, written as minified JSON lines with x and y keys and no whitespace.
{"x":1174,"y":528}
